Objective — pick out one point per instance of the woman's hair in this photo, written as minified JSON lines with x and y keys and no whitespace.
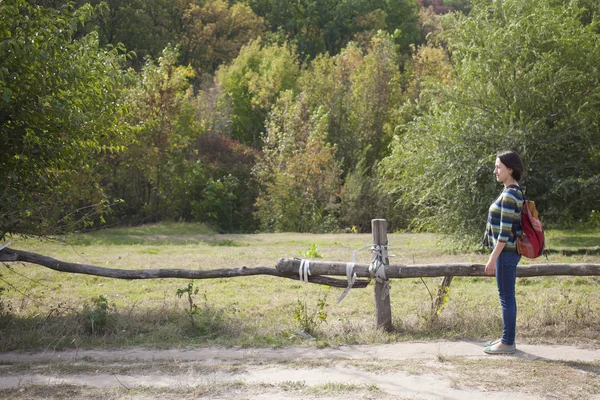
{"x":513,"y":161}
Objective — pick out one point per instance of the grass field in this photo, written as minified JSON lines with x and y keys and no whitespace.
{"x":44,"y":309}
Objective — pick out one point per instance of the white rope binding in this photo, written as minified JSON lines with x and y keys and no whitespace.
{"x":350,"y":275}
{"x":379,"y":255}
{"x":304,"y":270}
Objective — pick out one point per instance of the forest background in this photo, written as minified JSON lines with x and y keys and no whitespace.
{"x":304,"y":116}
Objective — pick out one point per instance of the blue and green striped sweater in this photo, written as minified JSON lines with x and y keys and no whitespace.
{"x":504,"y":220}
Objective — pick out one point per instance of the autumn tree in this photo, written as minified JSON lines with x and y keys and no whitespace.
{"x":225,"y":199}
{"x":250,"y":85}
{"x":298,"y":173}
{"x":176,"y":168}
{"x":213,"y":33}
{"x":359,"y":89}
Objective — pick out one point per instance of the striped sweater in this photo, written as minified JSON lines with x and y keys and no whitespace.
{"x":504,"y":220}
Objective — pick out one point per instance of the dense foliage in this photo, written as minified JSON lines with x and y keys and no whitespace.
{"x":60,"y":110}
{"x":304,"y":116}
{"x":326,"y":26}
{"x":525,"y":76}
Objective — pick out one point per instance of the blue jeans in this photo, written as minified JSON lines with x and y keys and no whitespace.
{"x":506,"y":277}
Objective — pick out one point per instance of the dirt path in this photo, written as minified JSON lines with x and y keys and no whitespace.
{"x":416,"y":370}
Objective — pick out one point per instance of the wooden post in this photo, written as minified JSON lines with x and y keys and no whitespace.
{"x":442,"y":294}
{"x":383,"y":309}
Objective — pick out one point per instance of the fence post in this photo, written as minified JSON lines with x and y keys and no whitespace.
{"x":383,"y":310}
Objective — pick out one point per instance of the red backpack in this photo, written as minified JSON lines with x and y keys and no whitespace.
{"x":531,"y":243}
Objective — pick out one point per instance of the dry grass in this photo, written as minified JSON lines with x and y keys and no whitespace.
{"x":44,"y":309}
{"x":239,"y":390}
{"x":548,"y":379}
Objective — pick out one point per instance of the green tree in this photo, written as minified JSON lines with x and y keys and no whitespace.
{"x":463,"y":6}
{"x":327,"y":26}
{"x":177,"y":167}
{"x":145,"y":27}
{"x":376,"y":92}
{"x":207,"y":33}
{"x":146,"y":174}
{"x":250,"y":85}
{"x":60,"y":108}
{"x":525,"y":77}
{"x":359,"y":92}
{"x":589,"y":13}
{"x":364,"y":196}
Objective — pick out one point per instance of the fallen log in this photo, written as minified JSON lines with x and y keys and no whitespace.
{"x":289,"y":265}
{"x":10,"y":255}
{"x":320,"y":271}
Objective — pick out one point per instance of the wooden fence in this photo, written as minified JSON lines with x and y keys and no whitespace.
{"x":319,"y":272}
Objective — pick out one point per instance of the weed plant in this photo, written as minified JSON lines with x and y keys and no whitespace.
{"x":97,"y":315}
{"x":45,"y":309}
{"x":309,"y":320}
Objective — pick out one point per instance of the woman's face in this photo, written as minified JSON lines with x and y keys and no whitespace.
{"x":502,"y":172}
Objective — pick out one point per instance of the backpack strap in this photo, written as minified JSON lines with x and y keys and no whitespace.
{"x":519,"y":188}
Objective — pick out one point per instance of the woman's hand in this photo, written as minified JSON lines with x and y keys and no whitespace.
{"x":490,"y":267}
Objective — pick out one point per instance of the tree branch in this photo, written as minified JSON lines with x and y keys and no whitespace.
{"x":10,"y":255}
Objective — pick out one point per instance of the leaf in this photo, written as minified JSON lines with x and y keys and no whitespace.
{"x":6,"y":96}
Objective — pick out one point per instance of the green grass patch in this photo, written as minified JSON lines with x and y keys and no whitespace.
{"x":576,"y":239}
{"x":163,"y":233}
{"x":226,"y":243}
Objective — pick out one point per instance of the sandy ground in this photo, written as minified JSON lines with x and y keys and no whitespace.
{"x":191,"y":367}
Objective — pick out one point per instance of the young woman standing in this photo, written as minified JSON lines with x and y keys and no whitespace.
{"x":503,"y":227}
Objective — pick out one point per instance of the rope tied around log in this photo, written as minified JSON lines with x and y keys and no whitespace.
{"x":350,"y":274}
{"x":304,"y":270}
{"x":377,"y":266}
{"x":379,"y":254}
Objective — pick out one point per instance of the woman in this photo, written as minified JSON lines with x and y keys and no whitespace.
{"x":503,"y":227}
